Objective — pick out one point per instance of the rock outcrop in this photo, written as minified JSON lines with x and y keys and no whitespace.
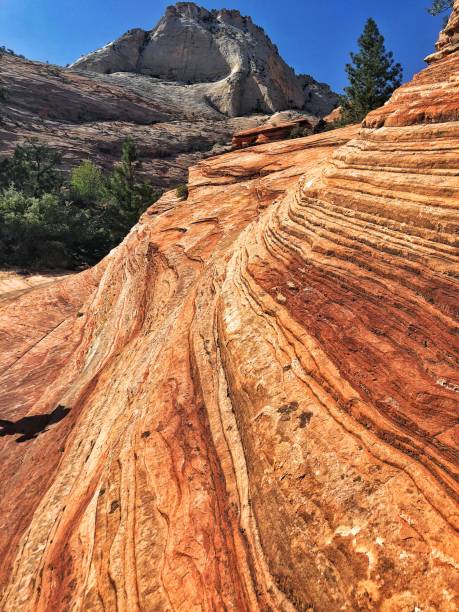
{"x":14,"y":283}
{"x":251,"y":403}
{"x":448,"y":41}
{"x":319,"y":99}
{"x":125,"y":349}
{"x":335,"y":115}
{"x":222,"y":50}
{"x":271,"y":133}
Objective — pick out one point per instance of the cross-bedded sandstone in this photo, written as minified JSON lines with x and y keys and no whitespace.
{"x":262,"y":387}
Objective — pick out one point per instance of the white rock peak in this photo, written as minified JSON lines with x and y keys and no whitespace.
{"x":221,"y":49}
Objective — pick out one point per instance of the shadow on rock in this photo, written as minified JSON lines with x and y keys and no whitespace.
{"x":31,"y":426}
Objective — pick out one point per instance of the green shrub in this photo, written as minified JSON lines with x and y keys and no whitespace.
{"x":87,"y":183}
{"x":45,"y":221}
{"x":324,"y":126}
{"x":299,"y":131}
{"x":182,"y":192}
{"x":5,"y":51}
{"x":38,"y":231}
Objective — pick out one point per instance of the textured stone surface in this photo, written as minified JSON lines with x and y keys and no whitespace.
{"x":240,"y":66}
{"x":87,"y":116}
{"x":335,"y":115}
{"x":262,"y":383}
{"x":141,"y":371}
{"x":448,"y":41}
{"x":271,"y":133}
{"x":15,"y":282}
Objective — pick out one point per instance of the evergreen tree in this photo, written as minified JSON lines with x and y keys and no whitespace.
{"x":373,"y":76}
{"x":438,"y":6}
{"x":33,"y":168}
{"x":129,"y":195}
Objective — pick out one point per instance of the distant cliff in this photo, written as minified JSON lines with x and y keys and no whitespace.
{"x":180,"y":91}
{"x":241,"y":68}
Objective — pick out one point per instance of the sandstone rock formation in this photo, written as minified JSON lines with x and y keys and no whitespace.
{"x":241,"y":68}
{"x":251,"y":404}
{"x":87,"y":116}
{"x":335,"y":115}
{"x":112,"y":345}
{"x":16,"y":282}
{"x":448,"y":41}
{"x":271,"y":133}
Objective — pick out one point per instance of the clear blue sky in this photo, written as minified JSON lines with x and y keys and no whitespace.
{"x":313,"y":36}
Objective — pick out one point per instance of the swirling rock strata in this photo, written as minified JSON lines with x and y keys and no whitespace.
{"x":261,"y":385}
{"x":131,"y":500}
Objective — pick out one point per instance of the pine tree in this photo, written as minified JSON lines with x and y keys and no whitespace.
{"x":438,"y":6}
{"x":33,"y":168}
{"x":373,"y":76}
{"x":129,"y":195}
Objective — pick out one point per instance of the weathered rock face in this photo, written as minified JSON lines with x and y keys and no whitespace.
{"x":141,"y":371}
{"x":271,"y":133}
{"x":319,"y":100}
{"x":16,"y":282}
{"x":177,"y":117}
{"x":448,"y":41}
{"x":240,"y":66}
{"x":251,"y":404}
{"x":87,"y":116}
{"x":335,"y":115}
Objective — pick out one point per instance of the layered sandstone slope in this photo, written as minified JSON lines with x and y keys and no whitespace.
{"x":349,"y":409}
{"x":240,"y":69}
{"x":131,"y":498}
{"x":252,"y":403}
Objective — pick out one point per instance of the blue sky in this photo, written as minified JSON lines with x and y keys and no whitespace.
{"x":313,"y":36}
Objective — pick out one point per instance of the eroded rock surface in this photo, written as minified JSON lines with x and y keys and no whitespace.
{"x":271,"y":133}
{"x":257,"y":392}
{"x":87,"y":116}
{"x":15,"y":282}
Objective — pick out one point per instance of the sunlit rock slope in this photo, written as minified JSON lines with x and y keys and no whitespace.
{"x":252,"y":403}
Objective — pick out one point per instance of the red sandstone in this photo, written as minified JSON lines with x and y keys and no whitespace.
{"x":262,"y":383}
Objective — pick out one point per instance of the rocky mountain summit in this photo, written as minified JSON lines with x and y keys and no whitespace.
{"x":251,"y":403}
{"x":242,"y":70}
